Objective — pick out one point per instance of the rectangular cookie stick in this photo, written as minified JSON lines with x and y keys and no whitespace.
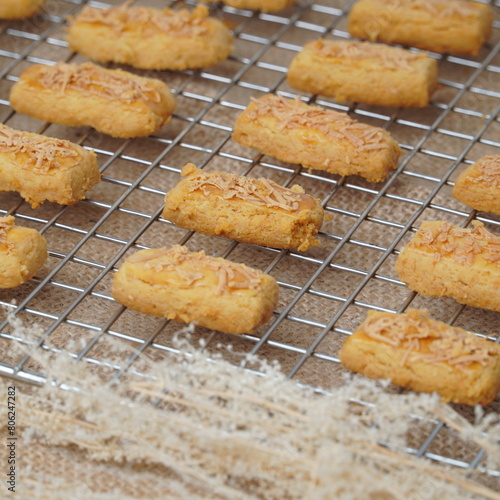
{"x":478,"y":186}
{"x":41,"y":168}
{"x":443,"y":260}
{"x":19,"y":9}
{"x":256,"y":211}
{"x":295,"y":132}
{"x":150,"y":38}
{"x":364,"y":72}
{"x":23,"y":251}
{"x":114,"y":102}
{"x":455,"y":26}
{"x":193,"y":287}
{"x":425,"y":355}
{"x":262,"y":5}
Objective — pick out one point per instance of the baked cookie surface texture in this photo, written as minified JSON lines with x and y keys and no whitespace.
{"x":113,"y":102}
{"x":293,"y":131}
{"x":193,"y":287}
{"x":18,"y":9}
{"x":23,"y":251}
{"x":262,"y":5}
{"x":150,"y":38}
{"x":478,"y":186}
{"x":256,"y":211}
{"x":456,"y":26}
{"x":426,"y":355}
{"x":443,"y":260}
{"x":41,"y":168}
{"x":364,"y":72}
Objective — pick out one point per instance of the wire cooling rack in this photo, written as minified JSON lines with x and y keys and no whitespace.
{"x":325,"y":292}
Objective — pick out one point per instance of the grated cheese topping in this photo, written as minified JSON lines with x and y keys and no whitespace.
{"x":459,"y":244}
{"x":439,"y":8}
{"x":488,"y":169}
{"x":146,"y":21}
{"x":261,"y":191}
{"x":94,"y":80}
{"x":427,"y":340}
{"x":229,"y":274}
{"x":6,"y":223}
{"x":292,"y":114}
{"x":387,"y":57}
{"x":43,"y":153}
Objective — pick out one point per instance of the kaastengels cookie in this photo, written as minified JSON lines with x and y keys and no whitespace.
{"x":193,"y":287}
{"x":293,"y":131}
{"x":256,"y":211}
{"x":18,"y":9}
{"x":149,"y":38}
{"x":450,"y":261}
{"x":114,"y":102}
{"x":40,"y":168}
{"x":478,"y":186}
{"x":456,"y":26}
{"x":23,"y":251}
{"x":262,"y":5}
{"x":426,"y":355}
{"x":364,"y":72}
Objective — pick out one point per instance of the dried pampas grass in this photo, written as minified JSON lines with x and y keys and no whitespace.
{"x":195,"y":426}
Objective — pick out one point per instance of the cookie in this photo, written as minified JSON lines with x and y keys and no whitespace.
{"x":455,"y":26}
{"x":194,"y":288}
{"x":256,"y":211}
{"x":23,"y":251}
{"x":150,"y":38}
{"x":293,"y":131}
{"x":262,"y":5}
{"x":113,"y":102}
{"x":478,"y":186}
{"x":42,"y":169}
{"x":364,"y":72}
{"x":426,"y":355}
{"x":18,"y":9}
{"x":443,"y":260}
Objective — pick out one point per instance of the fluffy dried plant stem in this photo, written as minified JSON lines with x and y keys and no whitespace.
{"x":198,"y":427}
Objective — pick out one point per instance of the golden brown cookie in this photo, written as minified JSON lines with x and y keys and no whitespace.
{"x":114,"y":102}
{"x":256,"y":211}
{"x":262,"y":5}
{"x":18,"y":9}
{"x":195,"y":288}
{"x":478,"y":186}
{"x":426,"y":355}
{"x":443,"y":260}
{"x":150,"y":38}
{"x":23,"y":251}
{"x":40,"y":168}
{"x":456,"y":26}
{"x":293,"y":131}
{"x":364,"y":72}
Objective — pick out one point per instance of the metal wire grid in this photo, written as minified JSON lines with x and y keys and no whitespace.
{"x":123,"y":213}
